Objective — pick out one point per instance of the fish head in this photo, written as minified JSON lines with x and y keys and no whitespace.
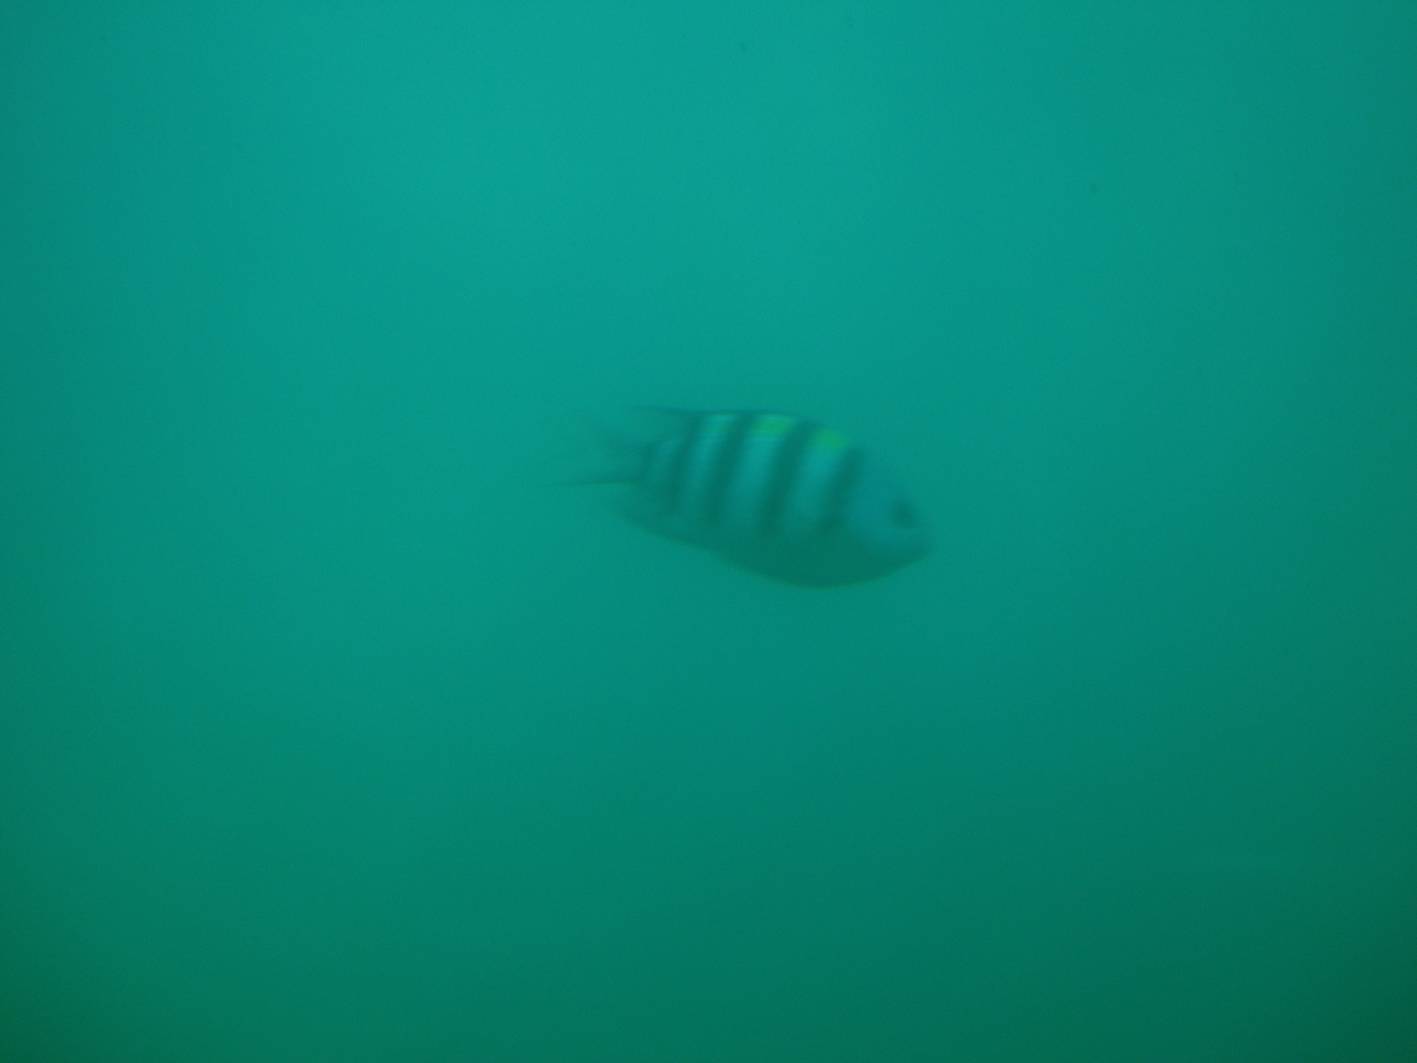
{"x":884,"y":523}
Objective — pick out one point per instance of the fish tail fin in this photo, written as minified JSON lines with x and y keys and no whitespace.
{"x":617,"y":456}
{"x":621,"y":447}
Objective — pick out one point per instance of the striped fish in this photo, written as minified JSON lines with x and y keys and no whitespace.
{"x":779,"y":494}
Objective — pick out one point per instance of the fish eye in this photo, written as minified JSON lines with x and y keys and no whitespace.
{"x":903,"y":514}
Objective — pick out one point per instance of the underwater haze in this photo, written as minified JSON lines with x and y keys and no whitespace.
{"x":333,"y":728}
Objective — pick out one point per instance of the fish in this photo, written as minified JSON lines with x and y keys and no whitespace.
{"x":780,"y":495}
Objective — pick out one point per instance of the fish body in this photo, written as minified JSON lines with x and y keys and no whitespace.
{"x":782,"y":495}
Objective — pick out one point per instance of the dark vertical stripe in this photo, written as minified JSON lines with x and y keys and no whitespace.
{"x":678,"y":467}
{"x":787,"y":463}
{"x":839,"y":491}
{"x":725,"y":465}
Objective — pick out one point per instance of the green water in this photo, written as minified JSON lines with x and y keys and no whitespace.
{"x":332,"y":731}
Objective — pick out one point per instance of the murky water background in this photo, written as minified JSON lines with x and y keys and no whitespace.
{"x":331,"y":730}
